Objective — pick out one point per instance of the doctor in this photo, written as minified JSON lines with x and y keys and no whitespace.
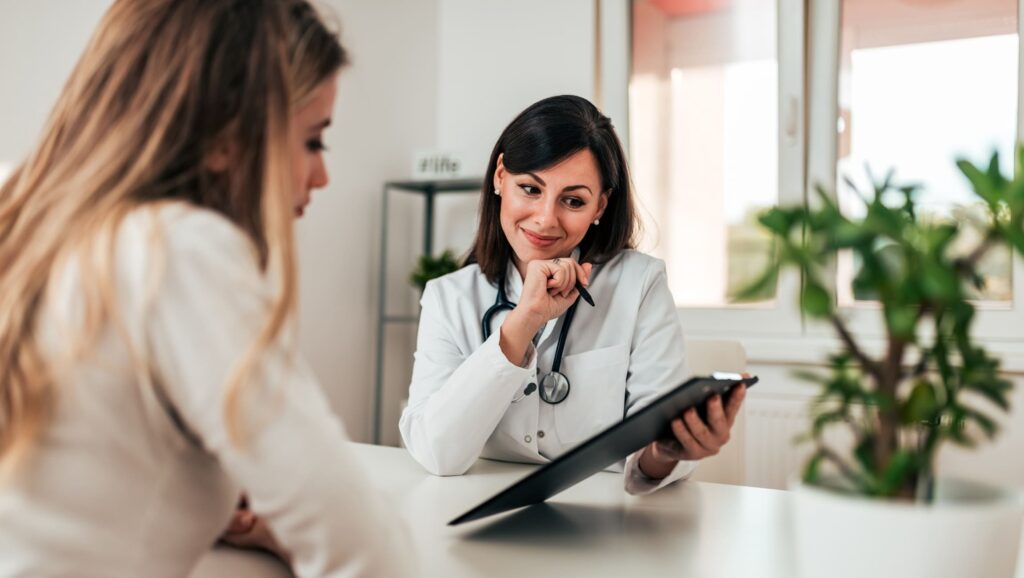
{"x":510,"y":365}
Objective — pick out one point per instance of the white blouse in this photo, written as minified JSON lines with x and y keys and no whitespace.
{"x":465,"y":400}
{"x":135,"y":474}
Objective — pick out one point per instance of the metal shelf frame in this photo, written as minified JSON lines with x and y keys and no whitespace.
{"x":429,"y":189}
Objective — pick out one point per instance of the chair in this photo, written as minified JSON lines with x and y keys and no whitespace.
{"x":702,"y":358}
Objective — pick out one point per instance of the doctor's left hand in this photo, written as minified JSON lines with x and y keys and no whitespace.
{"x":694,"y":439}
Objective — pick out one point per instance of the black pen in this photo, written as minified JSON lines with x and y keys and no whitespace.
{"x":583,"y":293}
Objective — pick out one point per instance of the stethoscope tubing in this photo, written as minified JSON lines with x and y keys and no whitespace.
{"x":501,"y":303}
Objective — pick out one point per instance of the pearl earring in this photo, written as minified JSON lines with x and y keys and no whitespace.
{"x":597,"y":221}
{"x":497,"y":191}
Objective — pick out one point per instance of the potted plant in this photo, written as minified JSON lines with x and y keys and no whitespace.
{"x":429,"y":267}
{"x":933,"y":383}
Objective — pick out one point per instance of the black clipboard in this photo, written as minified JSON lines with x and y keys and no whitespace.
{"x":603,"y":449}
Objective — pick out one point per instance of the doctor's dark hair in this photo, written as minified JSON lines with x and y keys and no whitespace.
{"x":542,"y":136}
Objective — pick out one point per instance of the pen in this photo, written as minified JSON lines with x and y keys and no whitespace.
{"x":584,"y":294}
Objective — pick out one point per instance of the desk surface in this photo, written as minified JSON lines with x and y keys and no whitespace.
{"x":592,"y":529}
{"x":693,"y":529}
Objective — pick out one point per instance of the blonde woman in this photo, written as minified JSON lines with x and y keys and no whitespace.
{"x":147,"y":291}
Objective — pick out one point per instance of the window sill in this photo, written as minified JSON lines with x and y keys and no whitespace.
{"x":813,"y":351}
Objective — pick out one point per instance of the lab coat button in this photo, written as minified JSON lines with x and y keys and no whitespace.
{"x":528,"y":438}
{"x":540,"y":433}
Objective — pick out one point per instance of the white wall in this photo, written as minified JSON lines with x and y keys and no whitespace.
{"x":498,"y":57}
{"x":386,"y":107}
{"x":40,"y":43}
{"x":495,"y":58}
{"x":385,"y":110}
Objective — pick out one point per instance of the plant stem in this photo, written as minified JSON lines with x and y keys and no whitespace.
{"x":887,"y":440}
{"x":970,"y":262}
{"x":869,"y":364}
{"x":844,"y":468}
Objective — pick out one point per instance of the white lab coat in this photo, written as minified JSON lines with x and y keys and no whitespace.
{"x":618,"y":356}
{"x":135,"y":476}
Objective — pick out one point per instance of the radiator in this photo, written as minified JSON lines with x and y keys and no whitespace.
{"x":772,"y":458}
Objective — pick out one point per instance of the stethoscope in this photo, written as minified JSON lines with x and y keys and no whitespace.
{"x":554,"y":387}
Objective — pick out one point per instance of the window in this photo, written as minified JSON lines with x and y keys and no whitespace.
{"x":706,"y":155}
{"x":735,"y":105}
{"x":921,"y":84}
{"x":716,"y":134}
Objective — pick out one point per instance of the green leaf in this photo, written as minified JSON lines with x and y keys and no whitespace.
{"x":864,"y":453}
{"x":937,"y":239}
{"x":995,"y":176}
{"x":922,"y":403}
{"x":901,"y":321}
{"x":815,"y":300}
{"x":764,"y":285}
{"x":846,"y":234}
{"x":899,"y":468}
{"x":429,"y":267}
{"x":812,"y":471}
{"x":980,"y":182}
{"x":987,"y":424}
{"x":778,"y":221}
{"x":939,"y":283}
{"x":956,"y":431}
{"x":993,"y":390}
{"x":824,"y":419}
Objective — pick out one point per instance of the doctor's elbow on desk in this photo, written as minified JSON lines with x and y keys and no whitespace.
{"x":437,"y":456}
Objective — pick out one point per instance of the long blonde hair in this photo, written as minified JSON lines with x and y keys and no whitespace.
{"x":160,"y":84}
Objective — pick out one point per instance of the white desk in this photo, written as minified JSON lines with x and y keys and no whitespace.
{"x":593,"y":529}
{"x":690,"y":529}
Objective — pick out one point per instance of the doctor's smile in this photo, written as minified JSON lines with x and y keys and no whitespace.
{"x":540,"y":240}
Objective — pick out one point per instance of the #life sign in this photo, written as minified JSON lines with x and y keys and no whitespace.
{"x":428,"y":165}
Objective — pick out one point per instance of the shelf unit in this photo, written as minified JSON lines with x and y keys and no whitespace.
{"x":428,"y":189}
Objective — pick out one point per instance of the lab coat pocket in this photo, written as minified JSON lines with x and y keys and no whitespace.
{"x":597,"y":397}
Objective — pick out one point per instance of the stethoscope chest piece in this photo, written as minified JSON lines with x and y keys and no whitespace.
{"x":554,"y":387}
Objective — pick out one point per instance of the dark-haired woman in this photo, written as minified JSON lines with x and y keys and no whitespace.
{"x":510,"y":364}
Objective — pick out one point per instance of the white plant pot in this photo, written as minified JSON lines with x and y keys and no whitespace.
{"x":971,"y":530}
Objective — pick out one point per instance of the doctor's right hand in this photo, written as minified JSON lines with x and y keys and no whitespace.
{"x":549,"y":289}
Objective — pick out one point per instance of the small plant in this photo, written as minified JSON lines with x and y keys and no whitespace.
{"x":932,"y":382}
{"x":429,"y":267}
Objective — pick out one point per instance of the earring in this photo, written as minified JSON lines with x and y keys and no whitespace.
{"x":497,"y":191}
{"x":597,"y":221}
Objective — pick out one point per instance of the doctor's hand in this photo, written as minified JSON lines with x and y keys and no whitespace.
{"x":694,"y":439}
{"x":549,"y":289}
